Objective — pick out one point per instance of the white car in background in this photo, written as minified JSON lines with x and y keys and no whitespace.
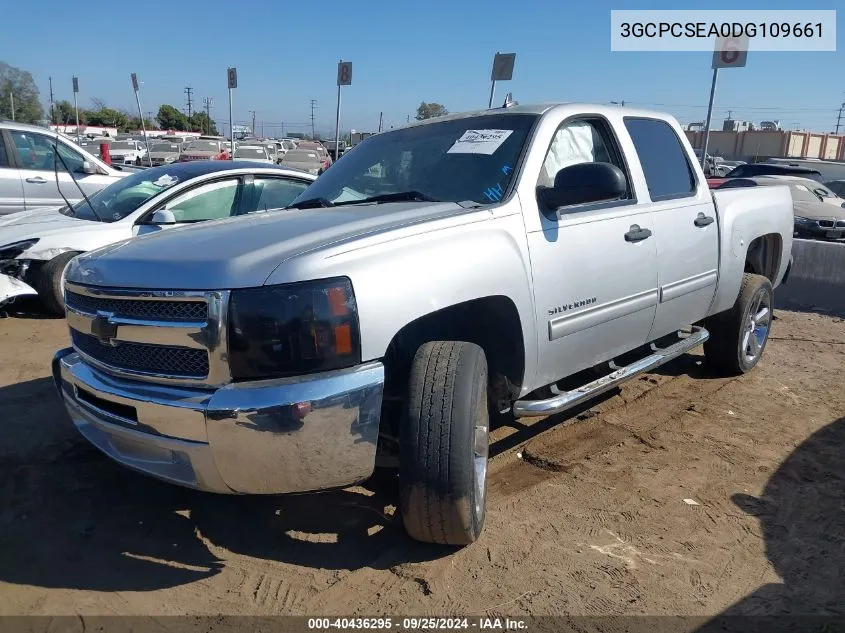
{"x":37,"y":246}
{"x":129,"y":152}
{"x":31,"y":178}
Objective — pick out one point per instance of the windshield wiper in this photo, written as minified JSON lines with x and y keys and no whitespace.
{"x":312,"y":203}
{"x":400,"y":196}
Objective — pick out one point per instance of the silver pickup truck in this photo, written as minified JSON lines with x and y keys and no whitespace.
{"x":436,"y":277}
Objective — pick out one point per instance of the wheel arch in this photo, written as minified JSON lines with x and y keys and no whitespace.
{"x":491,"y":322}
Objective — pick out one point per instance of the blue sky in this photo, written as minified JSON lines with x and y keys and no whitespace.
{"x":404,"y":52}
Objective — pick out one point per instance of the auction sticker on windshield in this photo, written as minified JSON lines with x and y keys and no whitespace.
{"x":166,"y":181}
{"x":479,"y":142}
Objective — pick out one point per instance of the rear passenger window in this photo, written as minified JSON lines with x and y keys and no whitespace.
{"x":4,"y":157}
{"x":665,"y":164}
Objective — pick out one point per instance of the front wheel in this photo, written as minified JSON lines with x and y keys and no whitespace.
{"x":49,"y":282}
{"x":443,"y":444}
{"x":738,"y":336}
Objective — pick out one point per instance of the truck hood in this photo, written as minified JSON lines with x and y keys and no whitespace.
{"x":41,"y":224}
{"x":240,"y":252}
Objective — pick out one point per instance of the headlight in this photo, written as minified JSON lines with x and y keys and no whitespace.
{"x":293,"y":329}
{"x":805,"y":221}
{"x":10,"y":251}
{"x":169,"y":159}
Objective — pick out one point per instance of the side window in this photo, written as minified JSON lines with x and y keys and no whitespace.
{"x":574,"y":143}
{"x":72,"y":159}
{"x":667,"y":170}
{"x":274,"y":193}
{"x":35,"y":151}
{"x":211,"y":201}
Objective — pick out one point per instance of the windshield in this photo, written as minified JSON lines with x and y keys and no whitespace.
{"x":250,"y":152}
{"x":301,"y":156}
{"x":469,"y":159}
{"x":204,"y":146}
{"x":123,"y":197}
{"x":165,"y":148}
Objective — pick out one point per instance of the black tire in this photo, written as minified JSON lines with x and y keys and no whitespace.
{"x":442,"y":498}
{"x":733,"y":331}
{"x":138,"y":161}
{"x":48,"y":282}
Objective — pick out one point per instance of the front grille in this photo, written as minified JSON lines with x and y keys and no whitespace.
{"x":157,"y":359}
{"x":826,"y":224}
{"x":139,"y":308}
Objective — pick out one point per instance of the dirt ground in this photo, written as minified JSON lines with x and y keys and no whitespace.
{"x":680,"y":494}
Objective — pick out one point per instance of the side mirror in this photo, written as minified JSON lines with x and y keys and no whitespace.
{"x":164,"y":216}
{"x":584,"y":183}
{"x":89,"y":168}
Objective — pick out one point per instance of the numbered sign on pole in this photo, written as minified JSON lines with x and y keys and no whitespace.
{"x":134,"y":82}
{"x":233,"y":77}
{"x":503,"y":67}
{"x":730,"y":52}
{"x":75,"y":84}
{"x":344,"y":73}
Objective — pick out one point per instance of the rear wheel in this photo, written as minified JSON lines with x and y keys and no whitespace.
{"x":48,"y":282}
{"x":738,"y":336}
{"x":444,"y":444}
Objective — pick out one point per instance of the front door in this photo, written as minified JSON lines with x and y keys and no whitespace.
{"x":595,"y":275}
{"x":42,"y":175}
{"x":11,"y":185}
{"x":686,"y":229}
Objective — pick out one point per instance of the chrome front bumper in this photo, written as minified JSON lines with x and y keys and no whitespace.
{"x":268,"y":437}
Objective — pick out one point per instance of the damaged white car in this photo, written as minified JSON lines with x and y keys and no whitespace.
{"x":36,"y":246}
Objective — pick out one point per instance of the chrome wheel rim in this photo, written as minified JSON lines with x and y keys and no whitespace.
{"x":756,"y":329}
{"x":480,"y":451}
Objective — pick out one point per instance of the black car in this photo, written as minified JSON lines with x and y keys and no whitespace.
{"x":769,"y":169}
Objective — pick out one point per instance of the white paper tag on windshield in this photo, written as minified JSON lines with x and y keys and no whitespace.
{"x":479,"y":141}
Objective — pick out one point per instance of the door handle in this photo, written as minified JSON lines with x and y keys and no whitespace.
{"x":37,"y":180}
{"x":703,"y":220}
{"x":637,"y":234}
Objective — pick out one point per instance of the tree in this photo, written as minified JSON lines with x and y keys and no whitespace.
{"x":200,"y":121}
{"x":169,"y":118}
{"x":20,"y":84}
{"x":430,"y":110}
{"x":66,"y":115}
{"x":133,"y":123}
{"x":107,"y":117}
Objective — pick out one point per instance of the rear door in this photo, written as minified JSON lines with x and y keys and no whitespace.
{"x":11,"y":184}
{"x":685,"y":226}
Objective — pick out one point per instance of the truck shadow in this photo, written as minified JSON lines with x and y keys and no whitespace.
{"x":802,"y":517}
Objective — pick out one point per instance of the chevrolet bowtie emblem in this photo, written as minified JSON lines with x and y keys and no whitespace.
{"x":103,"y":329}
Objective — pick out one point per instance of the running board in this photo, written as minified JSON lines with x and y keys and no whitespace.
{"x":568,"y":399}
